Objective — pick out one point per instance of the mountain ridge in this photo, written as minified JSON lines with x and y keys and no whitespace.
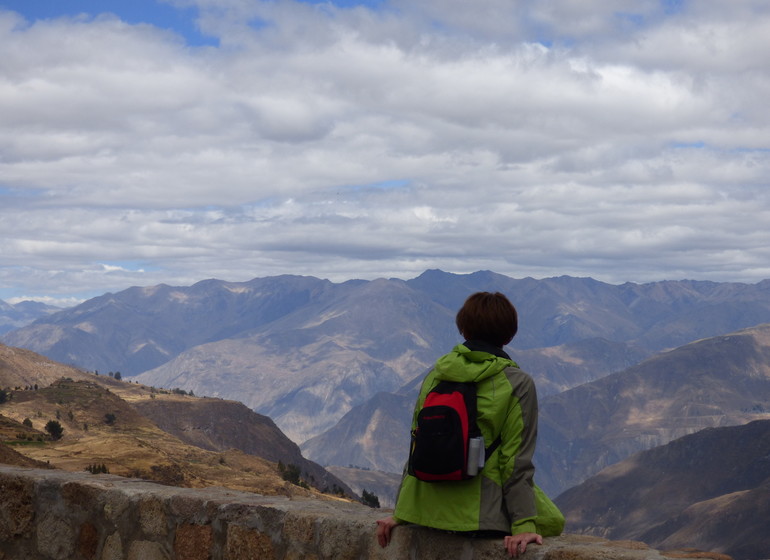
{"x":710,"y":489}
{"x":304,"y":351}
{"x":718,"y":381}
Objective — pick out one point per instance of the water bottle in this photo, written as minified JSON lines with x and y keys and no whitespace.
{"x":475,"y":451}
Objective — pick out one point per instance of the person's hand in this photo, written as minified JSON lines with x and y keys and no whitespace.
{"x":517,"y":544}
{"x":384,"y":528}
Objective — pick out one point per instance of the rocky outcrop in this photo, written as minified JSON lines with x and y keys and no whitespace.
{"x":53,"y":515}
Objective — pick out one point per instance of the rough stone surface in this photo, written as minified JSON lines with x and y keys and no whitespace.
{"x":193,"y":542}
{"x":88,"y":541}
{"x":113,"y":548}
{"x":52,"y":515}
{"x":17,"y":511}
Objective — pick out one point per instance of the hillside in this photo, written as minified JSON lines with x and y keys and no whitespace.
{"x":21,"y":368}
{"x":103,"y":423}
{"x":709,"y":490}
{"x":713,"y":382}
{"x":375,"y":434}
{"x":310,"y":367}
{"x":719,"y":381}
{"x":11,"y":430}
{"x":220,"y":426}
{"x":304,"y":351}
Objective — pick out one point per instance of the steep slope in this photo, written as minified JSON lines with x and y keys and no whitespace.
{"x":21,"y":368}
{"x":310,"y":367}
{"x":709,"y":490}
{"x":220,"y":426}
{"x":373,"y":435}
{"x":714,"y":382}
{"x":381,"y":484}
{"x":17,"y":433}
{"x":106,"y":421}
{"x":100,"y":428}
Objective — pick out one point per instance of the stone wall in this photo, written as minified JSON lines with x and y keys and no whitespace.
{"x":56,"y":515}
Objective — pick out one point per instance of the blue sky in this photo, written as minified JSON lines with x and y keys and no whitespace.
{"x":157,"y":13}
{"x":172,"y":141}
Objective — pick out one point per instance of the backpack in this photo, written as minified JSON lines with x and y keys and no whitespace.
{"x":447,"y":444}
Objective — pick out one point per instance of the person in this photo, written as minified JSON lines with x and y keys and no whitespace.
{"x":503,"y":499}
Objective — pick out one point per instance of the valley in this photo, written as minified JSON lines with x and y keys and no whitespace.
{"x":302,"y":371}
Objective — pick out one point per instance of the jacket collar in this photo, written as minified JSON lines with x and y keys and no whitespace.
{"x":482,"y":346}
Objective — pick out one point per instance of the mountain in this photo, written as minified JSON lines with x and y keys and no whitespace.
{"x":376,"y":433}
{"x":719,"y":381}
{"x":305,"y":351}
{"x":306,"y":369}
{"x":160,"y":435}
{"x":14,"y":316}
{"x":373,"y":435}
{"x":709,"y":490}
{"x":141,"y":328}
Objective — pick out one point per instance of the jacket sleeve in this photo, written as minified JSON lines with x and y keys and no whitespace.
{"x":518,"y":438}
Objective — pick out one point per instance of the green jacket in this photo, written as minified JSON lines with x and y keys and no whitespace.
{"x":503,"y":497}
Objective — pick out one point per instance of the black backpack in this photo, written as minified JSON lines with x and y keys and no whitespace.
{"x":446,"y":443}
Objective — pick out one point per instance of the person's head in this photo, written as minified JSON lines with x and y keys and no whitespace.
{"x":488,"y":317}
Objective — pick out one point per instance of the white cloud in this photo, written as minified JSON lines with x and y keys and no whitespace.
{"x":615,"y":140}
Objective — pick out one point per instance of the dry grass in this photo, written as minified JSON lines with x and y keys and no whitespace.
{"x":131,"y":445}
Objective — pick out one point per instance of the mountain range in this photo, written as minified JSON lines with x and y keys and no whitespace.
{"x":21,"y":314}
{"x":305,"y":351}
{"x":621,"y":371}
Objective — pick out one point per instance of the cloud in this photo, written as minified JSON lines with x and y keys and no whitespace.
{"x":620,"y":140}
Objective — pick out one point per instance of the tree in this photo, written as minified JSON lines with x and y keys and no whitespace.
{"x":370,"y":499}
{"x":109,"y":418}
{"x":55,"y":429}
{"x":291,"y":473}
{"x":118,"y":377}
{"x":27,"y":422}
{"x":3,"y":396}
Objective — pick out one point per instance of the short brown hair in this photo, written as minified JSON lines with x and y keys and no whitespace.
{"x":490,"y":317}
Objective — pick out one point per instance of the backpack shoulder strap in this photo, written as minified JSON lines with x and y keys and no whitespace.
{"x":492,"y":447}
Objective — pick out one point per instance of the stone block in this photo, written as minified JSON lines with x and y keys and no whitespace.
{"x":243,"y":542}
{"x":113,"y":548}
{"x":152,"y":516}
{"x":88,"y":541}
{"x":116,"y":504}
{"x":55,"y":537}
{"x":193,"y":542}
{"x":18,"y":511}
{"x":147,"y":550}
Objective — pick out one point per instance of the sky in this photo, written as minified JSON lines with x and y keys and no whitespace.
{"x":172,"y":141}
